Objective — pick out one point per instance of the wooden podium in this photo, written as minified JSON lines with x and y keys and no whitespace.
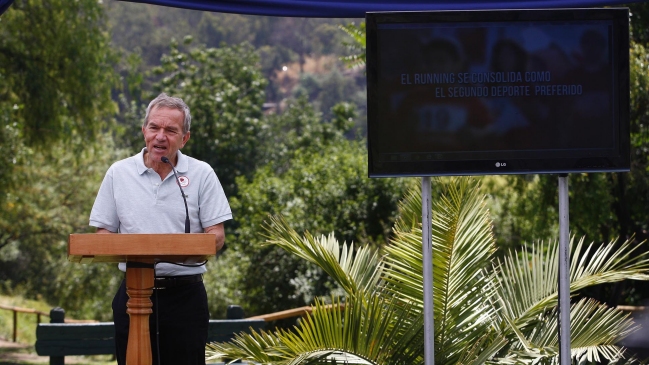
{"x":140,"y":252}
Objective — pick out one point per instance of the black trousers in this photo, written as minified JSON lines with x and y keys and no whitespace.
{"x":182,"y":321}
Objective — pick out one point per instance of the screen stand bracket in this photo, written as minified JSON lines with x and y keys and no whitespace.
{"x":427,"y":245}
{"x":564,"y":273}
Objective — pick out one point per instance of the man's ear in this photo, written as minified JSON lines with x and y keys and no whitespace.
{"x":185,"y":139}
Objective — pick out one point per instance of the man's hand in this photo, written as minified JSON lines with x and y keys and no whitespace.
{"x":219,"y":233}
{"x":103,"y":230}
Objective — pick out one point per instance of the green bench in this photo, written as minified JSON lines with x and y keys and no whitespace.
{"x":58,"y":339}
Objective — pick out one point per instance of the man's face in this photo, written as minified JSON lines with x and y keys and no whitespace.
{"x":163,"y":134}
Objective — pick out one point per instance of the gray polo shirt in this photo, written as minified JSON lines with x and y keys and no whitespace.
{"x":133,"y":199}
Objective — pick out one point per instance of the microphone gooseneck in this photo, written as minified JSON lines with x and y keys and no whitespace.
{"x":166,"y":160}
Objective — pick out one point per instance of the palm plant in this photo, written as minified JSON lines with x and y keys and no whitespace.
{"x":356,"y":45}
{"x":486,"y":310}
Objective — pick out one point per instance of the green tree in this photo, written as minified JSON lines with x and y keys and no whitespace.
{"x":332,"y":178}
{"x":145,"y":30}
{"x":486,"y":310}
{"x":52,"y":199}
{"x":218,"y":29}
{"x":55,"y":68}
{"x":639,"y":22}
{"x":326,"y":90}
{"x":305,"y":161}
{"x":56,"y":76}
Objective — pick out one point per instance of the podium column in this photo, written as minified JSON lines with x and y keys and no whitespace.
{"x":139,"y":287}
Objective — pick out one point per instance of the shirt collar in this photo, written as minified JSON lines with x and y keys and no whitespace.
{"x":139,"y":162}
{"x":181,"y":166}
{"x":183,"y":162}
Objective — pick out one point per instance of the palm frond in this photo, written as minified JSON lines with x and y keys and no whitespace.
{"x":352,"y":270}
{"x":591,"y":324}
{"x":262,"y":347}
{"x":482,"y":351}
{"x":357,"y":44}
{"x":526,"y":282}
{"x":595,"y":324}
{"x":368,"y":328}
{"x":462,"y":247}
{"x":594,"y":330}
{"x":409,"y":211}
{"x":608,"y":263}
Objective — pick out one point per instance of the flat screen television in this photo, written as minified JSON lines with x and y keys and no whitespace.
{"x":498,"y":92}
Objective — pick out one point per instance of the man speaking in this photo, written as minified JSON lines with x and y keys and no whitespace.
{"x":140,"y":195}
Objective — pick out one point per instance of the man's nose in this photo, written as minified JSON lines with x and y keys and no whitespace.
{"x":160,"y":135}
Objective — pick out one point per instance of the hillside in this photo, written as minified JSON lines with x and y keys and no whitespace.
{"x":297,"y":55}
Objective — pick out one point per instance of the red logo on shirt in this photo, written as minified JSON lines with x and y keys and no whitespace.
{"x":184,"y":181}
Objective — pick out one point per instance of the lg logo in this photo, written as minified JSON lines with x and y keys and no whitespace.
{"x":501,"y":164}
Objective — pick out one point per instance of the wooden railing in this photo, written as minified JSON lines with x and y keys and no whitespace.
{"x":631,"y":308}
{"x":38,"y":314}
{"x":290,"y":313}
{"x":17,"y":310}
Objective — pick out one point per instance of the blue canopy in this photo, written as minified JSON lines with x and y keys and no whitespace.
{"x":4,"y":4}
{"x":357,"y":8}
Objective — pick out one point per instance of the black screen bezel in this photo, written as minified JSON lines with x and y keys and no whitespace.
{"x":545,"y":161}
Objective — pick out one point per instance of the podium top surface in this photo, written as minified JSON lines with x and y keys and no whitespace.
{"x":177,"y":247}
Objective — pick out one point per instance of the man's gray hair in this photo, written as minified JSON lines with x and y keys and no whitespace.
{"x":164,"y":100}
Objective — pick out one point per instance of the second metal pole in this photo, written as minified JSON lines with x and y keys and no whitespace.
{"x":426,"y":227}
{"x":564,"y":273}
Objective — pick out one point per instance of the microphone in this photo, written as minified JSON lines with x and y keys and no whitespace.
{"x":166,"y":160}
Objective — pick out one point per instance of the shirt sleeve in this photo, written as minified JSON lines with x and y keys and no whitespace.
{"x":104,"y":211}
{"x":213,"y":204}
